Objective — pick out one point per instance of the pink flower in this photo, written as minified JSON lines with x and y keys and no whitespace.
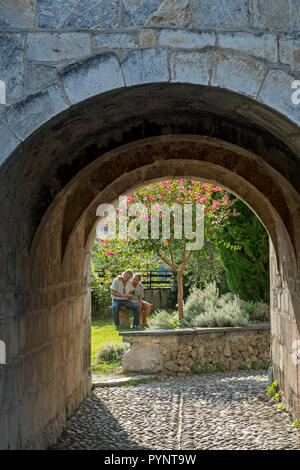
{"x":208,"y":257}
{"x":103,"y":241}
{"x":109,"y":253}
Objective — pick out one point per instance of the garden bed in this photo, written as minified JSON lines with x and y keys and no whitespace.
{"x":192,"y":350}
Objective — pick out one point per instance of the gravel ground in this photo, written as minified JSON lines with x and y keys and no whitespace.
{"x":217,"y":411}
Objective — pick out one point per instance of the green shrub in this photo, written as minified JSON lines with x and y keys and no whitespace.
{"x":258,"y":312}
{"x":163,"y":320}
{"x":111,"y":352}
{"x":205,"y":308}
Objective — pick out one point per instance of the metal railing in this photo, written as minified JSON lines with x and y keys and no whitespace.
{"x":156,"y":279}
{"x":153,"y":279}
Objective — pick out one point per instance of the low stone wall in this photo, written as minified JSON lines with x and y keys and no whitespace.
{"x":197,"y":349}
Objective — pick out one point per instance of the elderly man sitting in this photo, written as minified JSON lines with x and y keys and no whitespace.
{"x":122,"y":299}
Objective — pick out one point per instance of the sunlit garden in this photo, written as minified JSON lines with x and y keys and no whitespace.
{"x":225,"y":282}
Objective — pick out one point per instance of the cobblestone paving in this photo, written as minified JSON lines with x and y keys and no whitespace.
{"x":219,"y":411}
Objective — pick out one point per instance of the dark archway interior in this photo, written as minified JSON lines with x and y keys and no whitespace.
{"x":50,"y":158}
{"x":96,"y":151}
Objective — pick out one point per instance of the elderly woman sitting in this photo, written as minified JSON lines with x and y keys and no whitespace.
{"x":136,"y":287}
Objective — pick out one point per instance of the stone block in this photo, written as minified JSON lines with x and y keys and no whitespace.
{"x":172,"y":366}
{"x":264,"y":45}
{"x":156,"y":13}
{"x":90,"y":14}
{"x":145,"y":66}
{"x":92,"y":76}
{"x":124,"y":317}
{"x":227,"y":351}
{"x":277,"y":92}
{"x":147,"y":38}
{"x":279,"y":15}
{"x":27,"y":116}
{"x":54,"y":47}
{"x":17,"y":14}
{"x":114,"y":41}
{"x":8,"y":143}
{"x":12,"y":65}
{"x":229,"y":14}
{"x":238,"y":74}
{"x":38,"y":77}
{"x":186,"y":39}
{"x":289,"y":52}
{"x":140,"y":358}
{"x":191,"y":67}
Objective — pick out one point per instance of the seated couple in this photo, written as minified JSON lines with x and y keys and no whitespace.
{"x":127,"y":291}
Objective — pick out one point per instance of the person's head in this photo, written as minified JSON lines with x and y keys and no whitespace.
{"x":127,"y":274}
{"x":136,"y":279}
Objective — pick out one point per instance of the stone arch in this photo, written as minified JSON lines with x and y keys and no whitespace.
{"x":213,"y":104}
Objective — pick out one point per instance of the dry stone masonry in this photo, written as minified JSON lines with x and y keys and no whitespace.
{"x":197,"y":349}
{"x":102,"y":97}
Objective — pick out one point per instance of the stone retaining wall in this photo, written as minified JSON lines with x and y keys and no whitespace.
{"x":197,"y":349}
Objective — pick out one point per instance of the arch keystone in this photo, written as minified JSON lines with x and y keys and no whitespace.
{"x":146,"y":66}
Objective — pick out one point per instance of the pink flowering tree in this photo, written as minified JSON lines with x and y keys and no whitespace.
{"x":153,"y":217}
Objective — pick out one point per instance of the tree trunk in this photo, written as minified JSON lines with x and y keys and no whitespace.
{"x":180,"y":293}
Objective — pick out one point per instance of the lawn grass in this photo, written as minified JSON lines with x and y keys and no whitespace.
{"x":104,"y":331}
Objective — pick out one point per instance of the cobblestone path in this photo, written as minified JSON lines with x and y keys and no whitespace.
{"x":219,"y":411}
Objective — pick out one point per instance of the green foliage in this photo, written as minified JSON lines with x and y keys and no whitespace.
{"x":259,"y":365}
{"x":206,"y":308}
{"x":105,"y":267}
{"x":200,"y":271}
{"x":111,"y":352}
{"x":220,"y":367}
{"x":163,"y":320}
{"x":273,"y":390}
{"x":258,"y":312}
{"x":247,"y":269}
{"x":140,"y":233}
{"x":235,"y":254}
{"x":281,"y":406}
{"x":296,"y":423}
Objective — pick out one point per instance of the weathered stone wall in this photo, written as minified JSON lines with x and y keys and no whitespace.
{"x":197,"y":349}
{"x":157,"y":297}
{"x":56,"y":53}
{"x":285,"y":334}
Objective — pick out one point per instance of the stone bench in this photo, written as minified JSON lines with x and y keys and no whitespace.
{"x":123,"y":316}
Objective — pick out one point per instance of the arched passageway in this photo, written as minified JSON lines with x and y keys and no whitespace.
{"x":92,"y":153}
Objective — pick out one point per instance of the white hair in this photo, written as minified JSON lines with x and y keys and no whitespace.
{"x":127,"y":272}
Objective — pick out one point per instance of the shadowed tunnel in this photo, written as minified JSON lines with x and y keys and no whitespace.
{"x":89,"y":154}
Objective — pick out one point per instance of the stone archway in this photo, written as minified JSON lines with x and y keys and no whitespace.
{"x":91,"y":153}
